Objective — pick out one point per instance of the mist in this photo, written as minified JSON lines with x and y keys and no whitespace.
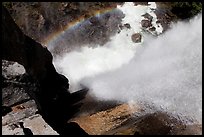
{"x":166,"y":72}
{"x":91,"y":59}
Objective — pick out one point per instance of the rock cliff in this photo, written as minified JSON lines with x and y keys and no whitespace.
{"x":52,"y":97}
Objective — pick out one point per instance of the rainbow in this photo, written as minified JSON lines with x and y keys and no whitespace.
{"x":55,"y":35}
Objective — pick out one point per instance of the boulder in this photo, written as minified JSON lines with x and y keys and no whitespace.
{"x":136,"y":37}
{"x":11,"y":69}
{"x":120,"y":26}
{"x":146,"y":23}
{"x":127,"y":25}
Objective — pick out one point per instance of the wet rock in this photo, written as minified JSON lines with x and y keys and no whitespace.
{"x":127,"y":25}
{"x":158,"y":21}
{"x":141,"y":3}
{"x":136,"y":38}
{"x":131,"y":119}
{"x":153,"y":124}
{"x":160,"y":123}
{"x":120,"y":26}
{"x":146,"y":23}
{"x":152,"y":29}
{"x":164,"y":17}
{"x":194,"y":129}
{"x":104,"y":121}
{"x":148,"y":16}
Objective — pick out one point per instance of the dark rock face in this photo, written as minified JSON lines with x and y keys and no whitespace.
{"x":51,"y":94}
{"x":35,"y":58}
{"x":136,"y":37}
{"x":40,"y":19}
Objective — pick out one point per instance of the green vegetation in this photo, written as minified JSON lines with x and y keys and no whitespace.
{"x":185,"y":10}
{"x":8,"y":5}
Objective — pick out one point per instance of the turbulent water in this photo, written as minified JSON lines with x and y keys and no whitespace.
{"x":92,"y":60}
{"x":165,"y":72}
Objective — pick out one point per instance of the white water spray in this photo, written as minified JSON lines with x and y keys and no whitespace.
{"x":118,"y":51}
{"x":165,"y":72}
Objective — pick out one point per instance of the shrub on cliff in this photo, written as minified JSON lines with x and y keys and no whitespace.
{"x":185,"y":10}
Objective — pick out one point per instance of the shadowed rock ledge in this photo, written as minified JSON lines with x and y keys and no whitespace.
{"x":52,"y":97}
